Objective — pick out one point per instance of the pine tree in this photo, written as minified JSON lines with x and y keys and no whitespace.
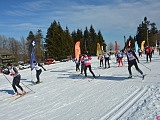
{"x":39,"y":46}
{"x":144,"y":33}
{"x":29,"y":39}
{"x":93,"y":41}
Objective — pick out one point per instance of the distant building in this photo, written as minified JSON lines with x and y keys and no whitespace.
{"x":6,"y":56}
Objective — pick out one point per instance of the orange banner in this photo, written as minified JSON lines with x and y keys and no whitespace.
{"x":77,"y":50}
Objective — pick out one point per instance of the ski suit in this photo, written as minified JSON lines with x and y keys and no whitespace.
{"x":101,"y":58}
{"x":87,"y":63}
{"x":16,"y":78}
{"x":82,"y":63}
{"x":38,"y":71}
{"x":131,"y":57}
{"x":148,"y":52}
{"x":106,"y":59}
{"x":120,"y":57}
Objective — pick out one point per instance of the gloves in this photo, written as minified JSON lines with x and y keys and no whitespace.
{"x":11,"y":74}
{"x":45,"y":70}
{"x":138,"y":61}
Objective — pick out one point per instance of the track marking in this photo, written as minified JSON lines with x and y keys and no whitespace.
{"x":120,"y":109}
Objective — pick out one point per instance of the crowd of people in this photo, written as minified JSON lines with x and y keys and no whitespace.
{"x":104,"y":60}
{"x":85,"y":62}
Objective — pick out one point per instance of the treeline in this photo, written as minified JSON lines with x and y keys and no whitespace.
{"x":17,"y":48}
{"x":146,"y":31}
{"x":20,"y":48}
{"x":60,"y":43}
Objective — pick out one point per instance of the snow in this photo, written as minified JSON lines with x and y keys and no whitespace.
{"x":65,"y":95}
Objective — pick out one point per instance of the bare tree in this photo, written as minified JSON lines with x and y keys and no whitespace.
{"x":110,"y":46}
{"x":23,"y":50}
{"x":3,"y":41}
{"x":14,"y":47}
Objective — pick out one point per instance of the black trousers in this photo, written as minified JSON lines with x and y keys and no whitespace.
{"x":82,"y":68}
{"x":16,"y":81}
{"x":38,"y":72}
{"x":101,"y":63}
{"x":130,"y":64}
{"x":77,"y":67}
{"x":85,"y":70}
{"x":148,"y":55}
{"x":107,"y":61}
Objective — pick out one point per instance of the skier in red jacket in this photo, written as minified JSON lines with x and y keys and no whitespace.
{"x":87,"y":63}
{"x":148,"y":52}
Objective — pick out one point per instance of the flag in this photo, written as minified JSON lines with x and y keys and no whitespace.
{"x":32,"y":53}
{"x":77,"y":50}
{"x":116,"y":46}
{"x":142,"y":45}
{"x":136,"y":46}
{"x":99,"y":51}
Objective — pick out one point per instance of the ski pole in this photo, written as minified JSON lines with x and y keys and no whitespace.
{"x":21,"y":82}
{"x":113,"y":61}
{"x":7,"y":79}
{"x":145,"y":66}
{"x":27,"y":87}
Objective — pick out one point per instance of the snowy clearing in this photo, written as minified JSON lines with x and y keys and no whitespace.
{"x":65,"y":95}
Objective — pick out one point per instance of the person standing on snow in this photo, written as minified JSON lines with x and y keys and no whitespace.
{"x":16,"y":78}
{"x":140,"y":52}
{"x":131,"y":57}
{"x":101,"y":58}
{"x":77,"y":64}
{"x":106,"y":59}
{"x":148,"y":52}
{"x":87,"y":63}
{"x":120,"y":57}
{"x":82,"y":63}
{"x":38,"y":70}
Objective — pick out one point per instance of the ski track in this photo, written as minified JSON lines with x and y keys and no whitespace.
{"x":56,"y":106}
{"x":120,"y":109}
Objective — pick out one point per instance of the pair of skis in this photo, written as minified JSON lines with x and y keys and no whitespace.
{"x":34,"y":83}
{"x":19,"y":96}
{"x":92,"y":78}
{"x":143,"y":76}
{"x":12,"y":97}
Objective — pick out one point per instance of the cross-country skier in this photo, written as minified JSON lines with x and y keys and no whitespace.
{"x":106,"y":59}
{"x":131,"y":56}
{"x":148,"y":52}
{"x":101,"y":58}
{"x":77,"y":64}
{"x":82,"y":63}
{"x":16,"y":78}
{"x":120,"y":57}
{"x":87,"y":63}
{"x":38,"y":70}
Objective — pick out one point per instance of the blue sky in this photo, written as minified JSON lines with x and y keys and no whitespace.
{"x":114,"y":18}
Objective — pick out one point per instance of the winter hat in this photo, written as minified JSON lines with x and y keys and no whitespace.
{"x":34,"y":61}
{"x":9,"y":64}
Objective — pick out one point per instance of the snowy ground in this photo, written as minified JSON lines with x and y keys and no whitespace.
{"x":65,"y":95}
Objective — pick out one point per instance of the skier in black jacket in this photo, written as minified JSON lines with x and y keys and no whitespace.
{"x":16,"y":78}
{"x":131,"y":56}
{"x":38,"y":70}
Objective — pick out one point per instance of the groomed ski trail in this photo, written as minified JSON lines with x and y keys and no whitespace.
{"x":121,"y":108}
